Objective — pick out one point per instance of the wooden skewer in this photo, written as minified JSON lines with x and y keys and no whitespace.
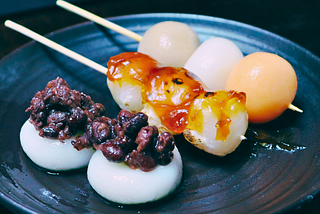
{"x":242,"y":137}
{"x":98,"y":20}
{"x":294,"y":108}
{"x":43,"y":40}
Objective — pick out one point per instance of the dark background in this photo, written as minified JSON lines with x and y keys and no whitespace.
{"x":296,"y":20}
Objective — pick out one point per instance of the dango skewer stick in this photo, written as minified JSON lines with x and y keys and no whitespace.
{"x":118,"y":29}
{"x":294,"y":108}
{"x":242,"y":137}
{"x":98,"y":20}
{"x":43,"y":40}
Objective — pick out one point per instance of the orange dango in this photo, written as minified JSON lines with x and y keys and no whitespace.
{"x":269,"y":82}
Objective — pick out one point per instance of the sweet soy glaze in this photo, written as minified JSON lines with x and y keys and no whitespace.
{"x":172,"y":92}
{"x":221,"y":103}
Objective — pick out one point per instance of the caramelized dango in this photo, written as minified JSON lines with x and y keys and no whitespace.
{"x":173,"y":100}
{"x":170,"y":92}
{"x":223,"y":110}
{"x":127,"y":73}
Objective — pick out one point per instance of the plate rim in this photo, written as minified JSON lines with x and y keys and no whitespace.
{"x":14,"y":206}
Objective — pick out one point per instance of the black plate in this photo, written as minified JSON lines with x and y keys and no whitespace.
{"x":250,"y":180}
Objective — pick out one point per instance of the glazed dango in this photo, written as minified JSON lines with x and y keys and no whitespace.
{"x":269,"y":82}
{"x":224,"y":110}
{"x":171,"y":43}
{"x":127,"y":73}
{"x":169,"y":95}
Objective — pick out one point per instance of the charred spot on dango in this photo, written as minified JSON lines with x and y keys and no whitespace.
{"x":207,"y":94}
{"x":177,"y":81}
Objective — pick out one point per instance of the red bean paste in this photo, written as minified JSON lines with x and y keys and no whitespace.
{"x":59,"y":112}
{"x":129,"y":139}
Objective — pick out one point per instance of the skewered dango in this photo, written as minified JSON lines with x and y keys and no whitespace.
{"x":269,"y":82}
{"x":171,"y":43}
{"x":208,"y":61}
{"x":213,"y":61}
{"x":171,"y":98}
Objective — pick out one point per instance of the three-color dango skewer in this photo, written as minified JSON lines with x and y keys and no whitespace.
{"x":192,"y":61}
{"x":213,"y":61}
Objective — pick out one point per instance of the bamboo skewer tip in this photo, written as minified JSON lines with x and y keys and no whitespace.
{"x":242,"y":137}
{"x":294,"y":108}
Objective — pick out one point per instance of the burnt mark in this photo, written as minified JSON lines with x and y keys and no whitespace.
{"x":208,"y":94}
{"x":177,"y":81}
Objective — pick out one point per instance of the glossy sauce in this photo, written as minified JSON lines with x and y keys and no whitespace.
{"x":223,"y":104}
{"x":132,"y":66}
{"x":172,"y":91}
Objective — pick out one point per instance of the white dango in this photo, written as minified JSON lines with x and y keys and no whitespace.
{"x":57,"y":114}
{"x":126,"y":95}
{"x":171,"y":43}
{"x":52,"y":154}
{"x":120,"y":184}
{"x":213,"y":61}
